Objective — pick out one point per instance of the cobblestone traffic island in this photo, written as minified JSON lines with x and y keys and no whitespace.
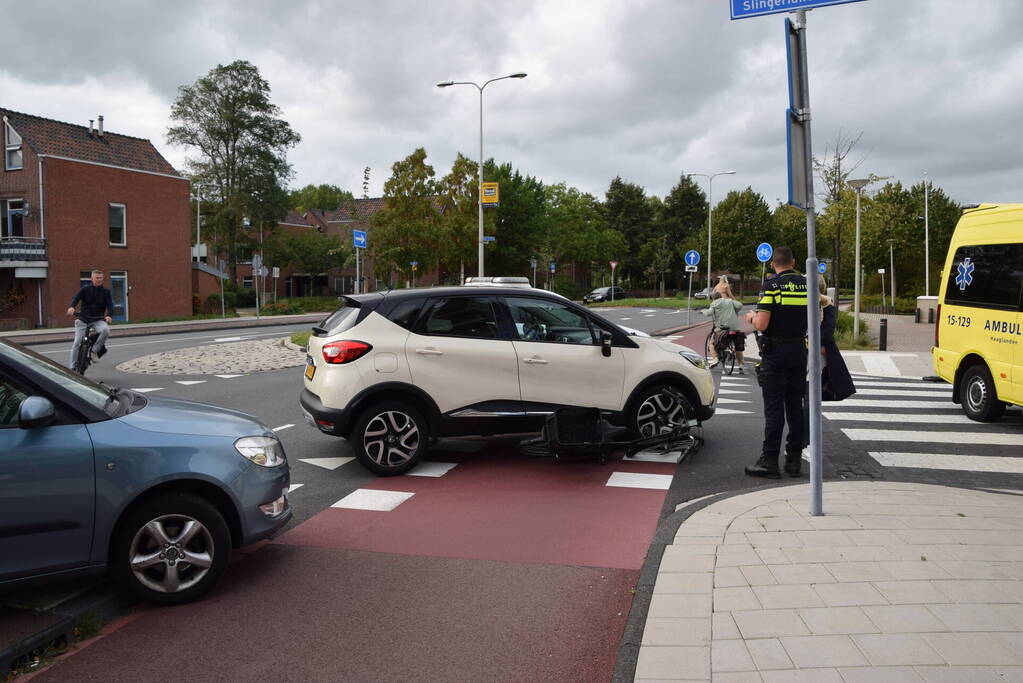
{"x":226,"y":358}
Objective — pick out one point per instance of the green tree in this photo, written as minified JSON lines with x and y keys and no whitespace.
{"x":577,"y":231}
{"x":241,"y":167}
{"x":683,"y":215}
{"x":658,"y":254}
{"x":833,"y":170}
{"x":314,"y":253}
{"x":943,"y":213}
{"x":406,"y":229}
{"x":459,"y":222}
{"x":789,"y":230}
{"x":628,"y":212}
{"x":741,"y":221}
{"x":520,"y":220}
{"x":324,"y":197}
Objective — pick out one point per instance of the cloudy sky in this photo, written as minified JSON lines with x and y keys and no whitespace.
{"x":644,"y":89}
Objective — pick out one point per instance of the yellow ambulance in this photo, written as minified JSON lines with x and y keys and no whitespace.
{"x":978,"y":339}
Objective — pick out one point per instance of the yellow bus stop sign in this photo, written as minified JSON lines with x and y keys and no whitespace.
{"x":491,"y":195}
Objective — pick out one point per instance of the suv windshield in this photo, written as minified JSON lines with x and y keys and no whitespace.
{"x":83,"y":388}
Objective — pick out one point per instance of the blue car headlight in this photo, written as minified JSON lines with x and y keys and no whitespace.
{"x":265,"y":451}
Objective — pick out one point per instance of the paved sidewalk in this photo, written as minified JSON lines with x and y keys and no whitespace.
{"x":897,"y":582}
{"x":913,"y":364}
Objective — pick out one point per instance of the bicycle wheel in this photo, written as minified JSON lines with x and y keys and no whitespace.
{"x":706,"y":345}
{"x":728,"y":359}
{"x":83,"y":359}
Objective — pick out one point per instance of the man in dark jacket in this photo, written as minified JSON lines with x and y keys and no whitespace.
{"x":97,"y":306}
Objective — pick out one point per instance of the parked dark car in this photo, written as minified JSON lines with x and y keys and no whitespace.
{"x":604,"y":294}
{"x":157,"y":490}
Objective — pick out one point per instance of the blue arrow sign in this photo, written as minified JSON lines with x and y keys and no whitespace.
{"x":359,"y":238}
{"x":552,"y":266}
{"x":764,"y":252}
{"x":692,"y":257}
{"x":743,"y":9}
{"x":822,"y":268}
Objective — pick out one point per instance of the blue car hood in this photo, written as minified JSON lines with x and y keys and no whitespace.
{"x":178,"y":416}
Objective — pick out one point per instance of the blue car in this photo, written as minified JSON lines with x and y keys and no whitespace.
{"x":156,"y":490}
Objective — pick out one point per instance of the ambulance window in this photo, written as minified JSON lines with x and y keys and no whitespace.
{"x":986,"y":276}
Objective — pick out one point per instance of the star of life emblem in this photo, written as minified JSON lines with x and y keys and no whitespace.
{"x":964,"y":274}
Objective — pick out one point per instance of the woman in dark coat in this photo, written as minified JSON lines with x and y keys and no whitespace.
{"x":836,"y":383}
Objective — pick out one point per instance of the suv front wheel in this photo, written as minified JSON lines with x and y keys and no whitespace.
{"x":657,"y":410}
{"x":390,"y":438}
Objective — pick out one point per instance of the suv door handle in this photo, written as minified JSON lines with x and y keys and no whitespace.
{"x":429,"y":351}
{"x":535,"y":360}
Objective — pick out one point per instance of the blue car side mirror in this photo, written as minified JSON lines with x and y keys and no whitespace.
{"x":35,"y":411}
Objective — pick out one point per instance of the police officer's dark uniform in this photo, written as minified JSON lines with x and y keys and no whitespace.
{"x":783,"y":372}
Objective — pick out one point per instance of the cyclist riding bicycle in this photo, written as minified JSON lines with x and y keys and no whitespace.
{"x":97,"y":306}
{"x":723,"y":310}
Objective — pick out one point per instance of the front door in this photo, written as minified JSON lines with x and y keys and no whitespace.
{"x":47,"y":492}
{"x":560,"y":359}
{"x":119,"y":293}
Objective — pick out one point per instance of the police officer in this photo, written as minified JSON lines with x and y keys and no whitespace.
{"x":781,"y":317}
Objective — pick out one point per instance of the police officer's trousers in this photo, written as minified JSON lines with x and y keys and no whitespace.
{"x":783,"y":379}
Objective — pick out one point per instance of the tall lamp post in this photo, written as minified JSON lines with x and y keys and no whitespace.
{"x":446,"y":84}
{"x":710,"y":211}
{"x":891,"y":258}
{"x":927,"y":245}
{"x":857,"y":185}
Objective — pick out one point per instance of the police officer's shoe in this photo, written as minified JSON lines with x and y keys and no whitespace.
{"x":763,"y":469}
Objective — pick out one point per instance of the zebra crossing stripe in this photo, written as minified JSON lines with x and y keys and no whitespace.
{"x":732,"y":411}
{"x":901,"y":418}
{"x":902,"y":405}
{"x":731,"y":400}
{"x":731,"y":391}
{"x":917,"y":436}
{"x":904,"y":385}
{"x":901,"y":392}
{"x":939,"y":461}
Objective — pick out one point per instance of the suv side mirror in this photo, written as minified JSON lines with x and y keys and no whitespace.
{"x":605,"y":342}
{"x":35,"y":411}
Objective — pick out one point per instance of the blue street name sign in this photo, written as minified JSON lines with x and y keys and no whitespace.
{"x":764,"y":252}
{"x":359,"y":238}
{"x":552,"y":266}
{"x":692,"y":257}
{"x":822,"y":267}
{"x":743,"y":9}
{"x":487,"y":239}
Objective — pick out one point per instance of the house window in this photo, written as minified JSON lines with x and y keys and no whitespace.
{"x":12,"y":218}
{"x":116,"y":223}
{"x":247,"y":282}
{"x":12,"y":149}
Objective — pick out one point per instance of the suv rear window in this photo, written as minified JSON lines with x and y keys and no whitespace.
{"x":406,"y":313}
{"x":338,"y":321}
{"x":986,"y":276}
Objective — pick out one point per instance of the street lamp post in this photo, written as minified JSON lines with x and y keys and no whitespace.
{"x":891,"y":258}
{"x":198,"y":234}
{"x":446,"y":84}
{"x":710,"y":211}
{"x":927,"y":245}
{"x":857,"y":185}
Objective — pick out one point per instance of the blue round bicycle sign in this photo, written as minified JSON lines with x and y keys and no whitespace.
{"x":822,"y":267}
{"x":764,"y":252}
{"x":692,"y":257}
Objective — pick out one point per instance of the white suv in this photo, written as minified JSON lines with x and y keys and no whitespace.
{"x":389,"y":371}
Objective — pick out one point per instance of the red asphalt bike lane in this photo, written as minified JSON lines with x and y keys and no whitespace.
{"x":505,"y":568}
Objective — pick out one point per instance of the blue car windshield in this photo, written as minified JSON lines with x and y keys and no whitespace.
{"x":85,"y":389}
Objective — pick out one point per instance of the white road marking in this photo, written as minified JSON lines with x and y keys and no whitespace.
{"x":654,"y":455}
{"x":878,"y":403}
{"x":189,"y":382}
{"x":917,"y":436}
{"x":371,"y":499}
{"x":731,"y":391}
{"x":901,"y":418}
{"x":731,"y":400}
{"x":880,"y":365}
{"x":295,"y":487}
{"x":649,"y":315}
{"x":635,"y":480}
{"x":282,"y":428}
{"x":228,"y":376}
{"x":146,"y":390}
{"x":873,"y":391}
{"x":431,"y":469}
{"x":939,"y":461}
{"x":327,"y":463}
{"x":648,"y":310}
{"x":110,"y":345}
{"x":625,"y":318}
{"x":731,"y":411}
{"x":228,"y":339}
{"x":935,"y":386}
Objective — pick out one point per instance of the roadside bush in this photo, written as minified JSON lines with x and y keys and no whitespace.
{"x":245,"y":297}
{"x":903,"y":305}
{"x":279,"y":308}
{"x":843,"y":333}
{"x":304,"y":304}
{"x":213,"y":302}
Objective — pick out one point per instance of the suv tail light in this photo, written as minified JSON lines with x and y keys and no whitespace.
{"x":937,"y":324}
{"x":337,"y":353}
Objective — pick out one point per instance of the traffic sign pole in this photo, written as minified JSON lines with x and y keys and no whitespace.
{"x":614,"y":264}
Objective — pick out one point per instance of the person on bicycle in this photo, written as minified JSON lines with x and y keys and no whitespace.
{"x":97,"y":306}
{"x":723,"y":310}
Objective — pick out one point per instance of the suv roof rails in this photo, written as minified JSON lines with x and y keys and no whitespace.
{"x":500,"y":281}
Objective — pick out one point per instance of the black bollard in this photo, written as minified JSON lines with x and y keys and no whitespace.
{"x":917,"y":319}
{"x":882,"y":342}
{"x":930,"y":316}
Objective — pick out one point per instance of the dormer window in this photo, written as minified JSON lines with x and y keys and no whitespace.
{"x":12,"y":148}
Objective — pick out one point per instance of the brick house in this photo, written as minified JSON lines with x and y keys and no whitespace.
{"x":74,"y":198}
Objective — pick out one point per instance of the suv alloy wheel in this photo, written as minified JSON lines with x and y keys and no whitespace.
{"x":390,"y":437}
